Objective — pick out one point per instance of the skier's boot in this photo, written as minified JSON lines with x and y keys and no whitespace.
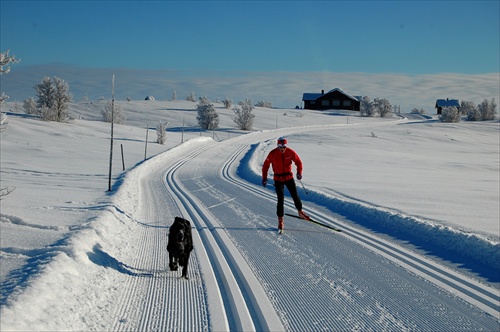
{"x":281,"y":223}
{"x":303,"y":215}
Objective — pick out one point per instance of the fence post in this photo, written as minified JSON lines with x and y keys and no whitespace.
{"x":123,"y":158}
{"x":146,"y":147}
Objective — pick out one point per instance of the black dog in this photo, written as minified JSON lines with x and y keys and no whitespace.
{"x":180,"y":245}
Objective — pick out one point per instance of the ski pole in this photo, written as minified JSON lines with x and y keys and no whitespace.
{"x":307,"y":193}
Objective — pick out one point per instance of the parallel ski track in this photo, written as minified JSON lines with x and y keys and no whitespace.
{"x":477,"y":294}
{"x":243,"y":303}
{"x":158,"y":299}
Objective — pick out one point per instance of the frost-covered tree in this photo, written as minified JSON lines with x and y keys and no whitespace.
{"x":227,"y":103}
{"x":109,"y":114}
{"x":62,"y":99}
{"x":29,"y":106}
{"x":45,"y":92}
{"x":378,"y":107}
{"x":417,"y":111}
{"x":488,"y":109}
{"x":474,"y":115}
{"x":5,"y":59}
{"x":365,"y":107}
{"x":483,"y":112}
{"x":3,"y":97}
{"x":243,"y":116}
{"x":264,"y":103}
{"x":207,"y":115}
{"x":382,"y":107}
{"x":191,"y":97}
{"x":450,"y":114}
{"x":466,"y":107}
{"x":53,"y":99}
{"x":161,"y":133}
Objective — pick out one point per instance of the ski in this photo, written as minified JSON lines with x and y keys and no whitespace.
{"x":314,"y":222}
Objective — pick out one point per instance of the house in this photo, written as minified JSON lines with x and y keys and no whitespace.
{"x":333,"y":99}
{"x":441,"y":103}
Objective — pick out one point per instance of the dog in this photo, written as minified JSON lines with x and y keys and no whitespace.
{"x":180,"y":245}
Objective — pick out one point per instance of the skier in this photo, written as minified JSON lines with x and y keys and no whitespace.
{"x":281,"y":159}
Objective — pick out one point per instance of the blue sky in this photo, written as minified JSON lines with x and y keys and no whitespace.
{"x":198,"y":38}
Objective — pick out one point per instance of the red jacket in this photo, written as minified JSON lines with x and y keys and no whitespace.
{"x":282,"y":164}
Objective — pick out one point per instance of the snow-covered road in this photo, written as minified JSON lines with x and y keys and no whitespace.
{"x":244,"y":276}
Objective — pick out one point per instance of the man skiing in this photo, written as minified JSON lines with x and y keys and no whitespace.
{"x":281,"y":159}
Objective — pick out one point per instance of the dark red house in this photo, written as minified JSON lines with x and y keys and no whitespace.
{"x":336,"y":99}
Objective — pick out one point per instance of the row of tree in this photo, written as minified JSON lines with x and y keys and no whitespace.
{"x":377,"y":107}
{"x":485,"y":111}
{"x":208,"y":118}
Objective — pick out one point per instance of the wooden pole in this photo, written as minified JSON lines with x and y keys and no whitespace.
{"x":146,"y":147}
{"x":112,"y":121}
{"x":182,"y":136}
{"x":123,"y":158}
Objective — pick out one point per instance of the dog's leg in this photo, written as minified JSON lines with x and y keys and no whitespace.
{"x":185,"y":266}
{"x":172,"y":262}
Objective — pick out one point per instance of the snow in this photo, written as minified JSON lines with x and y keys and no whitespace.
{"x":417,"y":201}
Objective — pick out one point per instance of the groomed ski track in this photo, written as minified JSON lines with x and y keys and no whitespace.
{"x":243,"y":276}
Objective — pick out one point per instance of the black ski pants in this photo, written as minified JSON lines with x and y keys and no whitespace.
{"x":280,"y":192}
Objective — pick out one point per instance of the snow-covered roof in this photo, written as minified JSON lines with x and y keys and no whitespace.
{"x":311,"y":96}
{"x":314,"y":96}
{"x":343,"y":92}
{"x":447,"y":102}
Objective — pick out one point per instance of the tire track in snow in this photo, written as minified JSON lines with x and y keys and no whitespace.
{"x":243,"y":302}
{"x":484,"y":297}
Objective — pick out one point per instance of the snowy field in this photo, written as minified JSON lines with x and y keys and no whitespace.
{"x":417,"y":201}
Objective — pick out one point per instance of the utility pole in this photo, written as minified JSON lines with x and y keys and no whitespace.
{"x":112,"y":121}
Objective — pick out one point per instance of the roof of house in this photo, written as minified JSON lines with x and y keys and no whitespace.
{"x":311,"y":96}
{"x":314,"y":96}
{"x":447,"y":102}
